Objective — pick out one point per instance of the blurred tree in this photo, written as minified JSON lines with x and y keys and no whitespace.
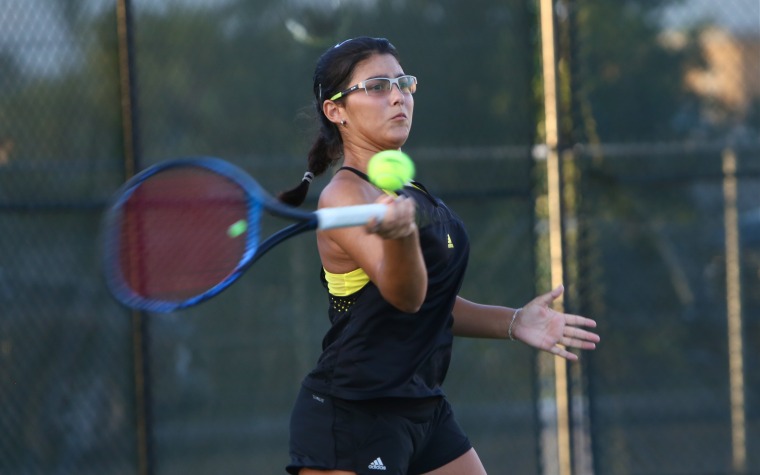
{"x":629,"y":84}
{"x":236,"y":79}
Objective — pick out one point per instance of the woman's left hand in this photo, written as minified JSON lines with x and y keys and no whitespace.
{"x":539,"y":326}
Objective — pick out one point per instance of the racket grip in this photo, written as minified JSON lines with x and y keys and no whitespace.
{"x":344,"y":216}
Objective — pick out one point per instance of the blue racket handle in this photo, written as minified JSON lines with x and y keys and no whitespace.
{"x":330,"y":218}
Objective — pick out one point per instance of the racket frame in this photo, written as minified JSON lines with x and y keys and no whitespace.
{"x":258,"y":201}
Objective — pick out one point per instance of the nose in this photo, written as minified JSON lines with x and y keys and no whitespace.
{"x":397,"y":97}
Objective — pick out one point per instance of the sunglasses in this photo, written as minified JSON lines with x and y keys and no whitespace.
{"x":381,"y":86}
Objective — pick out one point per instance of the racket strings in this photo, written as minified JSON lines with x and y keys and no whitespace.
{"x":175,"y":242}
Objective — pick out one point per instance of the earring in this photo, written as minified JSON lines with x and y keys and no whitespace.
{"x":343,"y":122}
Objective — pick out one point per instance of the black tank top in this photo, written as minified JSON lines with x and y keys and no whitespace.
{"x":374,"y":350}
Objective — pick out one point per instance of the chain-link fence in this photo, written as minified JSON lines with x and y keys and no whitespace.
{"x":659,"y":116}
{"x":656,"y":257}
{"x":662,"y":184}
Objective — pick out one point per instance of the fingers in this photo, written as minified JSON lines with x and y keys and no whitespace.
{"x":582,"y":340}
{"x":557,"y":291}
{"x":549,"y":297}
{"x":559,"y":350}
{"x":574,"y":337}
{"x":563,"y":332}
{"x":577,"y":334}
{"x":578,"y":321}
{"x":563,"y":353}
{"x":399,"y":220}
{"x":581,"y":344}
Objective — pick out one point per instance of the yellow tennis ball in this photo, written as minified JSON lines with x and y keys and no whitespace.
{"x":390,"y":170}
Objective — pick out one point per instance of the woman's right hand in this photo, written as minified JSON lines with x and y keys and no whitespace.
{"x":399,"y":221}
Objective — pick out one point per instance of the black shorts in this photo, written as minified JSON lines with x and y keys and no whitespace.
{"x":380,"y":436}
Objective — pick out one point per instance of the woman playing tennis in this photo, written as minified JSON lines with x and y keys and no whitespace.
{"x":374,"y":403}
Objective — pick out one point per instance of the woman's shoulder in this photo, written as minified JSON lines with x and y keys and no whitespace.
{"x":346,"y":189}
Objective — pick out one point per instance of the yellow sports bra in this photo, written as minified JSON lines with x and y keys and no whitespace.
{"x":343,"y":285}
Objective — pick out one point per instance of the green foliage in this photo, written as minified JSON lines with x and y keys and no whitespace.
{"x":627,"y":79}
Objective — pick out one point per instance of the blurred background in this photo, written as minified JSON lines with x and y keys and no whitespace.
{"x":610,"y":145}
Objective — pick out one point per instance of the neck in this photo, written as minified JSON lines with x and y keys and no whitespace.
{"x":358,"y":157}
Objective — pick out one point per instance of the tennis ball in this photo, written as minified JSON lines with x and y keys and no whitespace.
{"x":390,"y":170}
{"x":237,"y":228}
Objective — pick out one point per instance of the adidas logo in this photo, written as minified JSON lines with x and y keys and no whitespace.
{"x":377,"y":464}
{"x":451,"y":244}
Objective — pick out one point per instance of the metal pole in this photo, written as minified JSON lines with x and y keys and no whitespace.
{"x":131,"y":150}
{"x":555,"y":220}
{"x":128,"y":89}
{"x":734,"y":314}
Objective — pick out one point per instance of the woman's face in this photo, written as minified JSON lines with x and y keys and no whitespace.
{"x":382,"y":121}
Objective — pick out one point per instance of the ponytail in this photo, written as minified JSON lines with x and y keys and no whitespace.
{"x":326,"y":150}
{"x":296,"y":196}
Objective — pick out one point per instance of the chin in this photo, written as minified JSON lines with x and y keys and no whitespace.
{"x":397,"y":140}
{"x":395,"y":145}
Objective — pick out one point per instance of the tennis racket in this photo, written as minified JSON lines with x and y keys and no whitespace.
{"x":182,"y":231}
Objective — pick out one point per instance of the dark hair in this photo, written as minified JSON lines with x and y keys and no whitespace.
{"x":334,"y":69}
